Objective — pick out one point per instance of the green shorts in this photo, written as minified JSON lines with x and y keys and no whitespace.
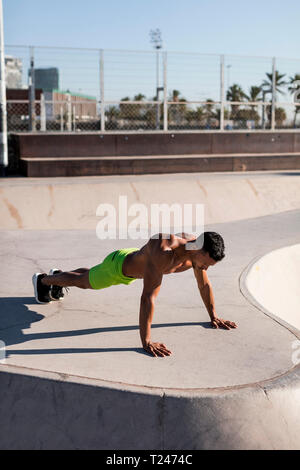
{"x":109,"y":272}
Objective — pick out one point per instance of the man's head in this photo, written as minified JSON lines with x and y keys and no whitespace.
{"x":208,"y":249}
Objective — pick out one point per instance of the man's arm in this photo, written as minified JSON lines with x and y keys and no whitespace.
{"x":206,"y":292}
{"x":152,"y":283}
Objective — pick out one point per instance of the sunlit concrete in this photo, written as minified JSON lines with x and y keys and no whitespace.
{"x":75,"y":375}
{"x":71,"y":203}
{"x":272,"y":281}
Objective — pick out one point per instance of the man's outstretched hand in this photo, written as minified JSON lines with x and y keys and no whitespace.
{"x":157,"y":349}
{"x":220,"y":323}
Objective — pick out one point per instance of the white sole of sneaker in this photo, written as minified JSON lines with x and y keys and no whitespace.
{"x":53,"y":271}
{"x":34,"y":282}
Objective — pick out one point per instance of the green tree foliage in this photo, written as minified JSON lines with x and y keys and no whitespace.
{"x":235,"y":93}
{"x":267,"y":84}
{"x":295,"y":88}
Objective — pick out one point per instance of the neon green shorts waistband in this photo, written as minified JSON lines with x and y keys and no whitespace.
{"x":109,"y":272}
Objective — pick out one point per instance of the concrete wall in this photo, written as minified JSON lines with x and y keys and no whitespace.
{"x":71,"y":203}
{"x":55,"y":413}
{"x":97,"y":145}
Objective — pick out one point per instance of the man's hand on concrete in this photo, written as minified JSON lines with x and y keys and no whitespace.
{"x":220,"y":323}
{"x":157,"y":349}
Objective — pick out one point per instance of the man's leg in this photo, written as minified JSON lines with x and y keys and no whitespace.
{"x":76,"y":278}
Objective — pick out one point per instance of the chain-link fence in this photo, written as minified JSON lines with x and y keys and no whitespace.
{"x":77,"y":90}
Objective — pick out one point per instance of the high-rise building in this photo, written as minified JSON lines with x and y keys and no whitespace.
{"x":47,"y":79}
{"x":13,"y":72}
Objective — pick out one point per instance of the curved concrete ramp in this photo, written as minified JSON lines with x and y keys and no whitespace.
{"x":71,"y":203}
{"x":75,"y":375}
{"x":273,"y":281}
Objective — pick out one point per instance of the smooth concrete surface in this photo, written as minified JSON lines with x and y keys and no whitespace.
{"x":71,"y":203}
{"x":273,"y":282}
{"x":75,"y":375}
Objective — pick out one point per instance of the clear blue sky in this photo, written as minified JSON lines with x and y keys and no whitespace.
{"x":253,"y":27}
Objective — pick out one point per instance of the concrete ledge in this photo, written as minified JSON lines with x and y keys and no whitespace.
{"x":89,"y":166}
{"x":58,"y":413}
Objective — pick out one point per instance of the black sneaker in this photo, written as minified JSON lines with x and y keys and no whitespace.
{"x":56,"y":292}
{"x":41,"y":292}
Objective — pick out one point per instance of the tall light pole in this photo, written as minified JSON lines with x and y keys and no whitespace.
{"x":155,"y":38}
{"x":3,"y":113}
{"x":228,"y":75}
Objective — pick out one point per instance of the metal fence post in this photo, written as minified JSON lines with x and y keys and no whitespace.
{"x":273,"y":121}
{"x":157,"y":91}
{"x":69,"y":113}
{"x":263,"y":118}
{"x":165,"y":63}
{"x":32,"y":115}
{"x":74,"y":118}
{"x":61,"y":119}
{"x":102,"y":105}
{"x":43,"y":112}
{"x":222,"y":92}
{"x":3,"y":111}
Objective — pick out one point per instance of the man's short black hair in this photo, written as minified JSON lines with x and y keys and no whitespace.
{"x":214,"y":245}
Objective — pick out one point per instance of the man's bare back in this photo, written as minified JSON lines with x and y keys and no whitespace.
{"x":168,"y":255}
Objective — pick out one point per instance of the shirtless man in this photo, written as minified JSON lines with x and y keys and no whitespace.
{"x":163,"y":254}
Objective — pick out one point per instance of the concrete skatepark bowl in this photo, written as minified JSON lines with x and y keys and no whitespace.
{"x":273,"y":282}
{"x":74,"y":375}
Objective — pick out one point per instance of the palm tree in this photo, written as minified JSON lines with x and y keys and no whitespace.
{"x":124,"y":108}
{"x":136,"y":110}
{"x":280,"y":115}
{"x":209,"y":105}
{"x":254,"y":93}
{"x":294,"y":89}
{"x":195,"y":115}
{"x":176,"y":111}
{"x":267,"y":84}
{"x":175,"y":96}
{"x":235,"y":93}
{"x":253,"y":96}
{"x":267,"y":87}
{"x":139,"y":97}
{"x":209,"y":111}
{"x":112,"y":115}
{"x":132,"y":111}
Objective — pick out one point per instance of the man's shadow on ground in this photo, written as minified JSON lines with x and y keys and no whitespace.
{"x":15,"y":316}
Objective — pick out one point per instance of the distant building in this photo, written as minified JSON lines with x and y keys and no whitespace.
{"x":13,"y":72}
{"x":83,"y":107}
{"x":47,"y":79}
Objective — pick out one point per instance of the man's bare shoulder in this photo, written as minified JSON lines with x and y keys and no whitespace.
{"x":186,"y":236}
{"x":161,"y":242}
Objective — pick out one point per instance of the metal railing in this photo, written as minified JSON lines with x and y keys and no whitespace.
{"x":109,"y":90}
